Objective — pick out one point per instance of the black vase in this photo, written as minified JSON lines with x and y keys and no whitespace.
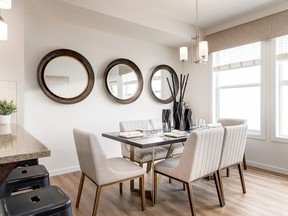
{"x":188,"y":119}
{"x":178,"y":116}
{"x":166,"y":120}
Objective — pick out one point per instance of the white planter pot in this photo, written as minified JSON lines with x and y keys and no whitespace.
{"x":5,"y":119}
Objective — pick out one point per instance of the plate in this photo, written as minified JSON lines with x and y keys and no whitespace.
{"x":176,"y":134}
{"x":131,"y":134}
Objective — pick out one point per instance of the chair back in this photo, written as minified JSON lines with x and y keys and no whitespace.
{"x":201,"y":154}
{"x":91,"y":156}
{"x":231,"y":122}
{"x":132,"y":126}
{"x":233,"y":145}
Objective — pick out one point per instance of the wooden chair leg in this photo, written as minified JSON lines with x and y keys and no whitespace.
{"x":191,"y":199}
{"x":227,"y":172}
{"x":242,"y":178}
{"x":155,"y":187}
{"x":221,"y":186}
{"x":121,"y":187}
{"x":96,"y":202}
{"x":218,"y":188}
{"x":143,"y":201}
{"x":244,"y":162}
{"x":80,"y":189}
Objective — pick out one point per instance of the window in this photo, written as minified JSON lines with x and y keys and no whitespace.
{"x":237,"y":85}
{"x":281,"y":90}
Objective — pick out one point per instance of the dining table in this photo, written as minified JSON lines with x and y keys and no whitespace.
{"x":17,"y":144}
{"x":147,"y":140}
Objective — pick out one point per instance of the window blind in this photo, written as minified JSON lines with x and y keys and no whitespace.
{"x":258,"y":30}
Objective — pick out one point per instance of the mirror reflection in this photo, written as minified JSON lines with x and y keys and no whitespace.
{"x":123,"y":80}
{"x":65,"y":77}
{"x":159,"y":84}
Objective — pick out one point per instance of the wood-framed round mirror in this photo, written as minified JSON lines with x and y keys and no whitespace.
{"x":123,"y":80}
{"x":65,"y":76}
{"x":159,"y":85}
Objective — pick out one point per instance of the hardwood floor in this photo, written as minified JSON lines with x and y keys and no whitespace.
{"x":267,"y":195}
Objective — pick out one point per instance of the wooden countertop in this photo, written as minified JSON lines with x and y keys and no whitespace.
{"x":19,"y":145}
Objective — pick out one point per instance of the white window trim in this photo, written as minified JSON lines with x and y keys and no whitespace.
{"x":274,"y":117}
{"x":215,"y":95}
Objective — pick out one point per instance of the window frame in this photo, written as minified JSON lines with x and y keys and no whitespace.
{"x":216,"y":89}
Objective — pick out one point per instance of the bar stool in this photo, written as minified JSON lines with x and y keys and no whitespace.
{"x":48,"y":201}
{"x":23,"y":178}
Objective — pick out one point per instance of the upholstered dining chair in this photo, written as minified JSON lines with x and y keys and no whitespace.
{"x":141,"y":156}
{"x":200,"y":158}
{"x":103,"y":171}
{"x":174,"y":149}
{"x":231,"y":122}
{"x":232,"y":152}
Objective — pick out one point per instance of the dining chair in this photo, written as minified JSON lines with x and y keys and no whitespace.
{"x":200,"y":158}
{"x":232,"y":152}
{"x":103,"y":171}
{"x":173,"y":149}
{"x":141,"y":156}
{"x":231,"y":122}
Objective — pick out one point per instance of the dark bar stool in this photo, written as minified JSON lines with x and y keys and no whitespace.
{"x":48,"y":201}
{"x":22,"y":178}
{"x":25,"y":163}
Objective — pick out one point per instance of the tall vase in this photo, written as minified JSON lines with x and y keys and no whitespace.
{"x":166,"y":120}
{"x":178,"y":116}
{"x":188,"y":119}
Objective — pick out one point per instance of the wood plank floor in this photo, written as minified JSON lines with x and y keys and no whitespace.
{"x":267,"y":195}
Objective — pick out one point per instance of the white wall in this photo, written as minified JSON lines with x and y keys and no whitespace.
{"x":51,"y":122}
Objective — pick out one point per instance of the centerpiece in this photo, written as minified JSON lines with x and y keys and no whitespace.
{"x":178,"y":106}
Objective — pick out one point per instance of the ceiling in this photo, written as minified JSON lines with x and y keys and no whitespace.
{"x":168,"y":22}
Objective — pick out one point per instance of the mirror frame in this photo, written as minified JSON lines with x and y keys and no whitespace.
{"x":70,"y":53}
{"x":139,"y":78}
{"x":172,"y":72}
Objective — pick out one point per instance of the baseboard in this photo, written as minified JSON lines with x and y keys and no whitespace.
{"x":267,"y":167}
{"x":63,"y":171}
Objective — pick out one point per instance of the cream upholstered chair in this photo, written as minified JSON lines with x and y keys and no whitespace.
{"x":102,"y":171}
{"x":200,"y":158}
{"x":141,"y":156}
{"x":231,"y":122}
{"x":232,"y":152}
{"x":176,"y":148}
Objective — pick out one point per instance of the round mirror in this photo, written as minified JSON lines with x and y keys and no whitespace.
{"x":123,"y":80}
{"x":159,"y":84}
{"x":65,"y":76}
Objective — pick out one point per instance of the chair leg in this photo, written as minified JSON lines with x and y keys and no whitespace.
{"x":148,"y":168}
{"x":218,"y":188}
{"x":244,"y":162}
{"x":155,"y":187}
{"x":227,"y":172}
{"x":96,"y":202}
{"x":143,"y":201}
{"x":80,"y":189}
{"x":242,"y":178}
{"x":191,"y":198}
{"x":221,"y":186}
{"x":121,"y":187}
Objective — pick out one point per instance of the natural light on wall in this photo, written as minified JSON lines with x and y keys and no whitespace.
{"x":237,"y":85}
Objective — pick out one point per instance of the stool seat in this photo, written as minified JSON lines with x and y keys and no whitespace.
{"x":46,"y":201}
{"x":22,"y":178}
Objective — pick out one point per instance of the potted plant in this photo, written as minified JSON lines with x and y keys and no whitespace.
{"x":6,"y":109}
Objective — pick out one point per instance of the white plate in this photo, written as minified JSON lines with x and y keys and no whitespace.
{"x":131,"y":134}
{"x":176,"y":134}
